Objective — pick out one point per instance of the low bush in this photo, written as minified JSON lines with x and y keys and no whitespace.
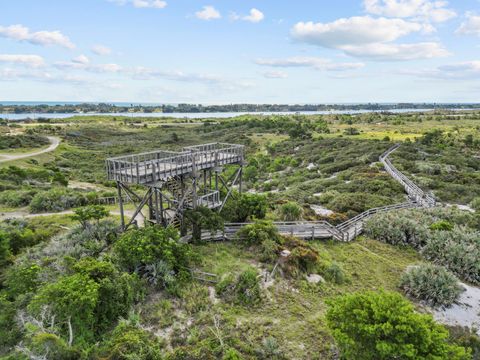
{"x":129,"y":341}
{"x":16,"y":198}
{"x":57,"y":199}
{"x":432,"y":284}
{"x":383,"y":325}
{"x":22,"y":141}
{"x":290,"y":211}
{"x":258,"y":232}
{"x":397,"y":228}
{"x":303,"y":257}
{"x":458,"y":250}
{"x":242,"y":290}
{"x":142,"y":250}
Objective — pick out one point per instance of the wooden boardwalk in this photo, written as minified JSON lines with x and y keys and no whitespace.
{"x":348,"y":230}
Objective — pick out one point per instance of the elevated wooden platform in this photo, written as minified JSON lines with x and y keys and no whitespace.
{"x":152,"y":167}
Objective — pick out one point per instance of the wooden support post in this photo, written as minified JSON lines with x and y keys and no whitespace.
{"x":120,"y":202}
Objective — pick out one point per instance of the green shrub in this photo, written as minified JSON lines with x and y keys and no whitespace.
{"x":432,"y":284}
{"x":458,"y":250}
{"x":290,"y":211}
{"x":475,"y":204}
{"x":240,"y":208}
{"x":441,"y":225}
{"x":56,"y":199}
{"x":90,"y":299}
{"x":258,"y":232}
{"x":397,"y":228}
{"x":242,"y":290}
{"x":16,"y":198}
{"x":136,"y":250}
{"x":303,"y":258}
{"x":383,"y":325}
{"x":129,"y":342}
{"x":334,"y":273}
{"x":22,"y":141}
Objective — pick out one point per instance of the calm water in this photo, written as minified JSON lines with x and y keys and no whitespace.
{"x":200,"y":115}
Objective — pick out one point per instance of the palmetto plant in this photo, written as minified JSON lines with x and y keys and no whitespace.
{"x":432,"y":284}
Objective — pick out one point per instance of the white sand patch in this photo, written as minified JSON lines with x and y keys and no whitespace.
{"x":320,"y":210}
{"x":311,"y":166}
{"x":465,"y":313}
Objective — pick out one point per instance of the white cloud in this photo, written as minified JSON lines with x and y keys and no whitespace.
{"x":435,"y":11}
{"x":101,"y":50}
{"x":82,"y":59}
{"x":155,"y":4}
{"x":33,"y":61}
{"x":466,"y":70}
{"x":371,"y":38}
{"x":471,"y":26}
{"x":355,"y":31}
{"x":45,"y":38}
{"x":255,"y":16}
{"x":208,"y":13}
{"x":83,"y":63}
{"x":398,"y":52}
{"x":275,"y":75}
{"x":313,"y":62}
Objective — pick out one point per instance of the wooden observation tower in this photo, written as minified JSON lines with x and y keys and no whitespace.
{"x":176,"y":181}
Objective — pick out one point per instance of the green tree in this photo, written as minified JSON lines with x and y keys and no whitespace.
{"x":383,"y":325}
{"x":88,"y":213}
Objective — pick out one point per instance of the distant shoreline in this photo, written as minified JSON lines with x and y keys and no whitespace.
{"x":38,"y":109}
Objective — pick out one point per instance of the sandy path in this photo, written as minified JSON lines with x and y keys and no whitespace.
{"x":54,"y":142}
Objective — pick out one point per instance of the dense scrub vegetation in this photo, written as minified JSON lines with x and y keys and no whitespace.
{"x":74,"y":287}
{"x":457,"y":247}
{"x":22,"y":141}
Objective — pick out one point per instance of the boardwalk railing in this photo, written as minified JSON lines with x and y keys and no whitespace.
{"x":151,"y":167}
{"x":414,"y":192}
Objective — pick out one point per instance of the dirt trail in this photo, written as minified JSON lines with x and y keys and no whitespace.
{"x":54,"y":142}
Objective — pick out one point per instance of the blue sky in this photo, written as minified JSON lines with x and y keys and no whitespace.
{"x":232,"y":51}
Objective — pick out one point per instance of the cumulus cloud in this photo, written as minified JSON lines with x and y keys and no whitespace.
{"x":371,"y":38}
{"x":471,"y":25}
{"x":435,"y":11}
{"x":44,"y":38}
{"x":254,"y":16}
{"x":101,"y":50}
{"x":155,"y":4}
{"x":208,"y":13}
{"x":33,"y":61}
{"x":275,"y":75}
{"x":355,"y":31}
{"x":313,"y":62}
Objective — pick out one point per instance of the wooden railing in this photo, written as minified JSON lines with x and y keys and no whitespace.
{"x":151,"y":167}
